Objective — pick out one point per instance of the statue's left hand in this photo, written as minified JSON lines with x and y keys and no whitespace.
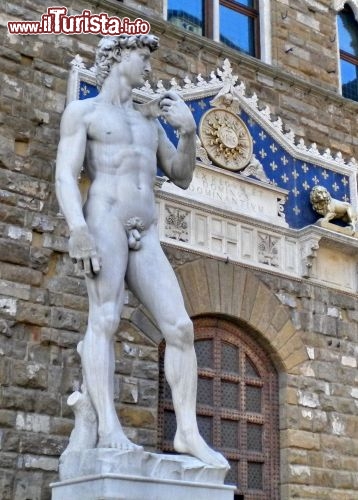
{"x":177,"y":113}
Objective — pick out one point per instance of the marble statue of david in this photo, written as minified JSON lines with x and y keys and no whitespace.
{"x":114,"y":237}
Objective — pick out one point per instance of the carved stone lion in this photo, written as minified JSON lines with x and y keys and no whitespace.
{"x":323,"y":203}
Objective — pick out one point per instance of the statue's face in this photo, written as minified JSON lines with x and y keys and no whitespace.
{"x":135,"y":65}
{"x":321,"y":194}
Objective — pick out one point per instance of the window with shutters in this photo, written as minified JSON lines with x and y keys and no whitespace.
{"x":348,"y":50}
{"x":237,"y":406}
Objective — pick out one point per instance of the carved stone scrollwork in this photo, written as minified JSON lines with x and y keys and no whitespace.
{"x":281,"y":208}
{"x":201,"y":153}
{"x":77,"y":62}
{"x":309,"y":249}
{"x":177,"y":224}
{"x":256,"y":169}
{"x":227,"y":100}
{"x":268,"y":249}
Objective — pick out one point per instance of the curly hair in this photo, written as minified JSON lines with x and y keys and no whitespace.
{"x":109,"y":51}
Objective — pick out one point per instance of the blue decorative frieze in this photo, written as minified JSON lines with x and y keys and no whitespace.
{"x":87,"y":90}
{"x":282,"y":169}
{"x":295,"y":175}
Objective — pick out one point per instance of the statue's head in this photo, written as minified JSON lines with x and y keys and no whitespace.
{"x":111,"y":50}
{"x":319,"y":194}
{"x":320,"y":199}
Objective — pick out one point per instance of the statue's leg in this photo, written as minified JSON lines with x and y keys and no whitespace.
{"x":350,"y":218}
{"x":329,"y":216}
{"x":106,"y":297}
{"x":152,"y":279}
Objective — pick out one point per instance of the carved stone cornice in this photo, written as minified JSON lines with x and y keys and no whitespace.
{"x":320,"y":255}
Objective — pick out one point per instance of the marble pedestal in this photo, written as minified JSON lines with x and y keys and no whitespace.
{"x":107,"y":474}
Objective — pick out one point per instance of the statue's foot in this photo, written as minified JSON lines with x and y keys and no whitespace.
{"x":193,"y":444}
{"x":117,"y":439}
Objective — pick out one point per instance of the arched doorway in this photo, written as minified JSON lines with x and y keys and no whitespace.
{"x":237,"y":406}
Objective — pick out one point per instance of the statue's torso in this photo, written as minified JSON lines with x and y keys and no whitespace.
{"x":121,"y":161}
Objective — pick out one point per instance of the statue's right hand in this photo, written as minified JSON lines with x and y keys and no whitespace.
{"x":82,"y":250}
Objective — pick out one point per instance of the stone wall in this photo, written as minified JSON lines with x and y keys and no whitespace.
{"x":43,"y":303}
{"x":318,"y":404}
{"x":305,"y":41}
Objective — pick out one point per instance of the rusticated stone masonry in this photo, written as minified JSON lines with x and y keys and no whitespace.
{"x":311,"y":332}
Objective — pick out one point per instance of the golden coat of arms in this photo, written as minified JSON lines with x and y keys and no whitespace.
{"x":226,"y":139}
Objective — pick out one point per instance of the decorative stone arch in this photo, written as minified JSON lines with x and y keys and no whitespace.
{"x":216,"y":287}
{"x":339,"y":5}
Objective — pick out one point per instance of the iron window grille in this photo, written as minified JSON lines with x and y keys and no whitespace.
{"x":237,"y":406}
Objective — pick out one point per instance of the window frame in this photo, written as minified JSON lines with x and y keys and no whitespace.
{"x":211,"y":18}
{"x":211,"y":23}
{"x":340,"y":6}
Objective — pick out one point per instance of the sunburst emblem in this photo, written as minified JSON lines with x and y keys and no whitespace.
{"x":226,"y":139}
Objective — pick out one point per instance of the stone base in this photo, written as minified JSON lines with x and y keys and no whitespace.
{"x":107,"y":474}
{"x":117,"y":487}
{"x":347,"y":230}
